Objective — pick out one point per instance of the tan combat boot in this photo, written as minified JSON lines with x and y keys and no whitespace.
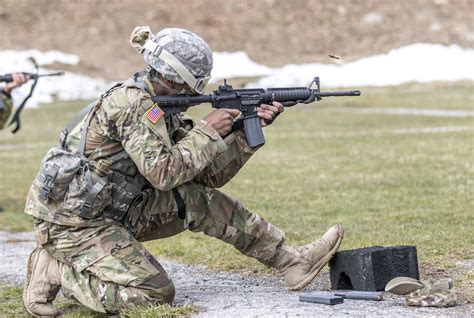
{"x":300,"y":265}
{"x":43,"y":281}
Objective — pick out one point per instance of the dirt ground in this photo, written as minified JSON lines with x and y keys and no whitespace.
{"x":272,"y":32}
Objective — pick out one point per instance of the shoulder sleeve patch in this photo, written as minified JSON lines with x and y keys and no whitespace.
{"x":154,"y":113}
{"x":151,"y":116}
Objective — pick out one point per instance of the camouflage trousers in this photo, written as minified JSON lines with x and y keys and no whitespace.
{"x":107,"y":269}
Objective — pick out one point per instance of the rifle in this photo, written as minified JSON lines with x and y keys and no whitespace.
{"x":34,"y":76}
{"x":247,"y":101}
{"x":7,"y":78}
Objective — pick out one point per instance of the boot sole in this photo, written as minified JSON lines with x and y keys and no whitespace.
{"x":319,"y":266}
{"x":29,"y":270}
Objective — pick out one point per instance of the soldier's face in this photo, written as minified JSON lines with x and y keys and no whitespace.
{"x":180,"y":89}
{"x":168,"y":88}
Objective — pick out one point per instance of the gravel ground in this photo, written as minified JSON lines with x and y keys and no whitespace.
{"x":220,"y":294}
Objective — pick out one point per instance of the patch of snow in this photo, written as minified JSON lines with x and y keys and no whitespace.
{"x":70,"y":86}
{"x":413,"y":63}
{"x":236,"y":64}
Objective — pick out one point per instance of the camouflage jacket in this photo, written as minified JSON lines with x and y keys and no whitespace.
{"x":6,"y":106}
{"x":167,"y":150}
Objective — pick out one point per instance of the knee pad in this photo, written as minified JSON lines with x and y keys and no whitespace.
{"x":159,"y":287}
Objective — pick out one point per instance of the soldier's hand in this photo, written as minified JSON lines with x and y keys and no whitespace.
{"x":268,"y":113}
{"x":18,"y":80}
{"x":222,"y":119}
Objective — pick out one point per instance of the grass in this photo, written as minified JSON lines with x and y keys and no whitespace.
{"x":159,"y":311}
{"x":12,"y":306}
{"x":318,"y":168}
{"x":11,"y":300}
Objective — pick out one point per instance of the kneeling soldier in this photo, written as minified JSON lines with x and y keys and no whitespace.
{"x":125,"y":172}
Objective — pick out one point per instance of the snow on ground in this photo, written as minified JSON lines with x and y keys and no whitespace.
{"x":419,"y":62}
{"x":70,"y":86}
{"x":236,"y":64}
{"x":413,"y":63}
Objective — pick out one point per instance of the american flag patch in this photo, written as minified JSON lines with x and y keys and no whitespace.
{"x":154,"y":114}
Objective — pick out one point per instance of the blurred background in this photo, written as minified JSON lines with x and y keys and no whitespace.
{"x":271,"y":32}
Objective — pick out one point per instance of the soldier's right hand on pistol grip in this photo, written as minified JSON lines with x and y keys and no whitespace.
{"x":222,"y":119}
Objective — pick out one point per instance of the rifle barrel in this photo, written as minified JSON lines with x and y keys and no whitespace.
{"x":343,"y":93}
{"x":51,"y":74}
{"x":9,"y":78}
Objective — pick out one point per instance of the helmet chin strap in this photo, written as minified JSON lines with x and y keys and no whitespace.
{"x":197,"y":85}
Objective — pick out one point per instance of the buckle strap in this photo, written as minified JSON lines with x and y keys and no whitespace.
{"x":48,"y":182}
{"x":63,"y":138}
{"x":180,"y":203}
{"x":118,"y":156}
{"x":86,"y":112}
{"x":86,"y":207}
{"x":73,"y":123}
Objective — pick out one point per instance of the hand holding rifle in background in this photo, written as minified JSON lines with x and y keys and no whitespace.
{"x":15,"y":80}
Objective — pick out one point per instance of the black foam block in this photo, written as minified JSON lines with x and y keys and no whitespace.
{"x":371,"y":268}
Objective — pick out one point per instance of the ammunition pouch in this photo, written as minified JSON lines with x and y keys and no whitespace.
{"x":65,"y":178}
{"x":58,"y":168}
{"x":86,"y":189}
{"x":125,"y":181}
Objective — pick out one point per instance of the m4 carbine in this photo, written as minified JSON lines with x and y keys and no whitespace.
{"x":247,"y":101}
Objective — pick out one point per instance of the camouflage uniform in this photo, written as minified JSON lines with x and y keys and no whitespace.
{"x":424,"y":293}
{"x":434,"y":293}
{"x":6,"y":106}
{"x":106,"y":267}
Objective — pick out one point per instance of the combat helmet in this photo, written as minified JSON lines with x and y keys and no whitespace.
{"x":179,"y":55}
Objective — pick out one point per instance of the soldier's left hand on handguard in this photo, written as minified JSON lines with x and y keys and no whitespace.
{"x":268,"y":113}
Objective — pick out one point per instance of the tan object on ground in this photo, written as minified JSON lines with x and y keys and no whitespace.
{"x":424,"y":293}
{"x":403,"y":285}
